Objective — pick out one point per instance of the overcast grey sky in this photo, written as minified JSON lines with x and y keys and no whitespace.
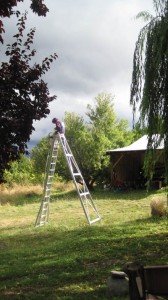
{"x":95,"y":41}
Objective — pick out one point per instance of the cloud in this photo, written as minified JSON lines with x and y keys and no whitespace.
{"x":95,"y":41}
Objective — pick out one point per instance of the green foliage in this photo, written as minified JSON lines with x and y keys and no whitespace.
{"x":88,"y":142}
{"x":105,"y":123}
{"x":150,"y":78}
{"x":39,"y":157}
{"x":107,"y":132}
{"x":20,"y":172}
{"x":139,"y":130}
{"x":77,"y":137}
{"x":145,"y":15}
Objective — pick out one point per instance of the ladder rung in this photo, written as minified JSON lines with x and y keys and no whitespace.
{"x":76,"y":174}
{"x":43,"y":222}
{"x":68,"y":154}
{"x":46,"y":196}
{"x":45,"y":202}
{"x":94,"y":221}
{"x":83,"y":194}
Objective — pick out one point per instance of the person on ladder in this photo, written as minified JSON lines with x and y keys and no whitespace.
{"x":59,"y":126}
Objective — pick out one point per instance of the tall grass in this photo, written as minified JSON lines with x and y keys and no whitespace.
{"x":68,"y":259}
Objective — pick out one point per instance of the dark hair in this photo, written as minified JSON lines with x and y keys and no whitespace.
{"x":54,"y":120}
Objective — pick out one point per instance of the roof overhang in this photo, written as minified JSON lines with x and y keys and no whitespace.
{"x":139,"y":145}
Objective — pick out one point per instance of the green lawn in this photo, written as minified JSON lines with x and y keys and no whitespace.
{"x":69,"y":259}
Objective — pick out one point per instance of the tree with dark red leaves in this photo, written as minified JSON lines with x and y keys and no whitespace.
{"x":7,"y":9}
{"x":24,"y":96}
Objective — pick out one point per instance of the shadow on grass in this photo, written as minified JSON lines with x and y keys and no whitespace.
{"x":124,"y":195}
{"x":107,"y":195}
{"x":53,"y":263}
{"x":32,"y":197}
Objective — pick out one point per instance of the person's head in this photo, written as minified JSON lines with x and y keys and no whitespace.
{"x":54,"y":120}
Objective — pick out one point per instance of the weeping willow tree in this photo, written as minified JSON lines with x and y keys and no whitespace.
{"x":149,"y":88}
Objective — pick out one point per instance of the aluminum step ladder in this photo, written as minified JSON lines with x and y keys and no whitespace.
{"x":90,"y":210}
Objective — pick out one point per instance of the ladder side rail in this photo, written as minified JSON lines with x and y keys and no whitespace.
{"x":51,"y":164}
{"x":38,"y":215}
{"x":70,"y":159}
{"x":89,"y":197}
{"x":83,"y":184}
{"x":66,"y":147}
{"x":84,"y":193}
{"x":49,"y":157}
{"x":67,"y":150}
{"x":46,"y":174}
{"x":43,"y":214}
{"x":81,"y":200}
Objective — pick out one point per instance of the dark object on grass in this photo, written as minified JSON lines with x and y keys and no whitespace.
{"x":147,"y":282}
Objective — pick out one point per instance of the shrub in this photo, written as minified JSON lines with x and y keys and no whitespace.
{"x":19,"y":172}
